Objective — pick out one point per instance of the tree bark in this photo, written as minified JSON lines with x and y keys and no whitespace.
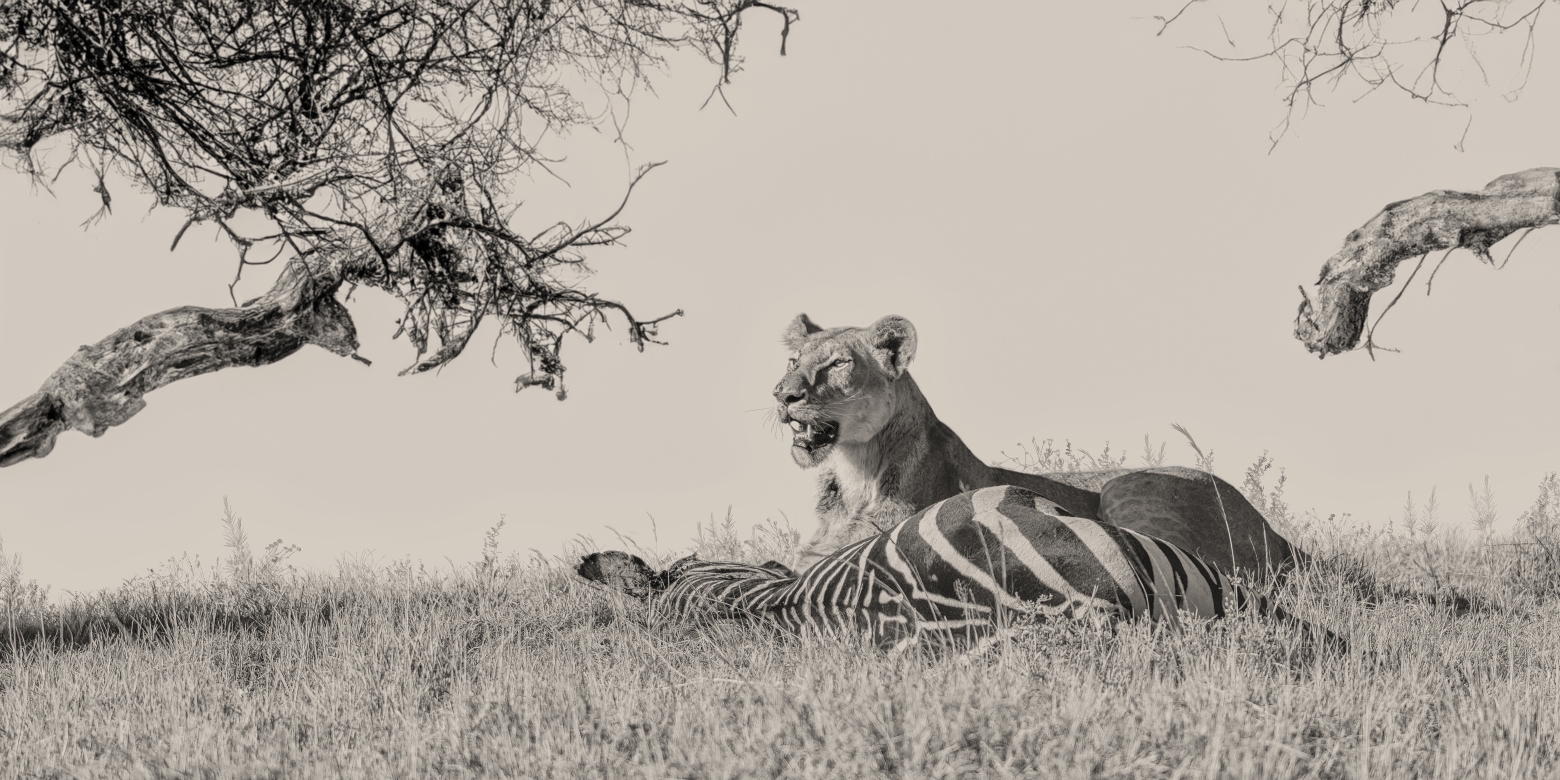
{"x":1439,"y":220}
{"x":103,"y":384}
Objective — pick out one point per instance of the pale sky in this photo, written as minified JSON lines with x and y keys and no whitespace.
{"x":1083,"y":220}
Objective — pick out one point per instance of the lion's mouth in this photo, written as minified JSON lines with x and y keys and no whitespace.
{"x":811,"y":436}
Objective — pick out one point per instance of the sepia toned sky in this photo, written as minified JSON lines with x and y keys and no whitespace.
{"x":1088,"y":225}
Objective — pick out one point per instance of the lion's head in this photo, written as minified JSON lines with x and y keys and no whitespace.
{"x":840,"y":384}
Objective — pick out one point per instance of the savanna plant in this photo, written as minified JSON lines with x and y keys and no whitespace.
{"x":1538,"y":540}
{"x":1420,"y":546}
{"x":1270,"y":503}
{"x":243,"y":566}
{"x":1043,"y":457}
{"x":1483,"y":510}
{"x":21,"y":599}
{"x":770,"y":540}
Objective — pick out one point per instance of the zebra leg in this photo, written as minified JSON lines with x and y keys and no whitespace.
{"x":1314,"y":635}
{"x":1247,"y":599}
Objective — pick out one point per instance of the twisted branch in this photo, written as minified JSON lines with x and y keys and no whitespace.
{"x":1439,"y":220}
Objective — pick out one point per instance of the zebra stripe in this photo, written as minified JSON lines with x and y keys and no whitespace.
{"x":1111,"y":556}
{"x":960,"y":570}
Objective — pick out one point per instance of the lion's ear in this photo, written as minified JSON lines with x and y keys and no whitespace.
{"x":892,"y":340}
{"x":797,"y":332}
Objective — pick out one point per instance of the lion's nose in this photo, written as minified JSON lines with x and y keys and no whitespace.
{"x":790,"y":396}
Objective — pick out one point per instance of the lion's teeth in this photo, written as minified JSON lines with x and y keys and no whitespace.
{"x":796,"y":426}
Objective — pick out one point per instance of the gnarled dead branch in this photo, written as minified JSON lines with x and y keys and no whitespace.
{"x":102,"y":385}
{"x":373,"y":144}
{"x":1439,"y":220}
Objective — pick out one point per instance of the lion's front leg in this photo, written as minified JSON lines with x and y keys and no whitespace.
{"x":839,"y":524}
{"x":835,"y":530}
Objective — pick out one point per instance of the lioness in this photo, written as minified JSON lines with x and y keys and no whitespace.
{"x":856,"y":412}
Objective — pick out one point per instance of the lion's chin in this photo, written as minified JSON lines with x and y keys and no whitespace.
{"x":808,"y":457}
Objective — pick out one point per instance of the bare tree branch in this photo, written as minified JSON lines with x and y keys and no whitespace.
{"x":375,"y":144}
{"x":103,"y":384}
{"x":1417,"y":49}
{"x":1439,"y":220}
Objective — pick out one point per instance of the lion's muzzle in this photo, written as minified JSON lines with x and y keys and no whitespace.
{"x":812,"y":436}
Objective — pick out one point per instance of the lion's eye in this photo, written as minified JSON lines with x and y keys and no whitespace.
{"x":840,"y":362}
{"x":791,"y":363}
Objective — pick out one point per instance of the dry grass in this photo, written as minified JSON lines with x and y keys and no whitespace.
{"x":516,"y":668}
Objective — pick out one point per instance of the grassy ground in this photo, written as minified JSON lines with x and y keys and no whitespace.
{"x":515,"y":668}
